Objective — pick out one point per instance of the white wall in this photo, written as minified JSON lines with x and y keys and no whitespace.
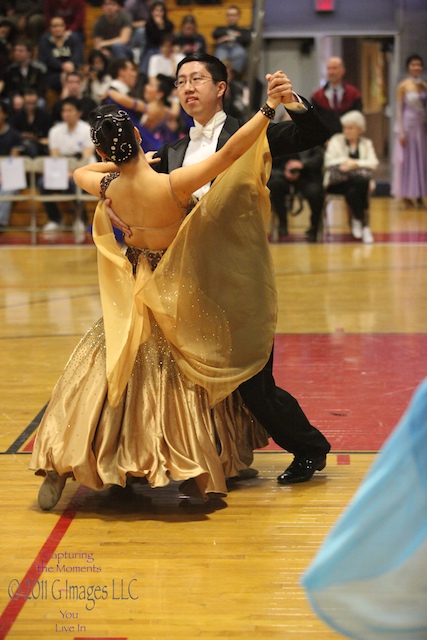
{"x":285,"y":54}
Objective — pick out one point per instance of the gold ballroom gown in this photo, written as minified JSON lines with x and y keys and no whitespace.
{"x":150,"y":390}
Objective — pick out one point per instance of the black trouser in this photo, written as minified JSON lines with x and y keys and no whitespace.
{"x":311,"y":190}
{"x":355,"y":190}
{"x":279,"y":189}
{"x":281,"y":416}
{"x":52,"y":210}
{"x":314,"y":193}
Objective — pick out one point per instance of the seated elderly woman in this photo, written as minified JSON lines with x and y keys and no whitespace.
{"x":350,"y":161}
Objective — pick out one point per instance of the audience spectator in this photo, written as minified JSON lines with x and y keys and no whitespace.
{"x":156,"y":116}
{"x":350,"y":161}
{"x":72,"y":11}
{"x":157,"y":26}
{"x":69,"y":138}
{"x":26,"y":17}
{"x":73,"y":87}
{"x":166,"y":61}
{"x":410,"y":150}
{"x":188,"y":39}
{"x":7,"y":37}
{"x":24,"y":73}
{"x":10,"y":145}
{"x":60,"y":51}
{"x":232,"y":41}
{"x":337,"y":96}
{"x":139,"y":10}
{"x":236,"y":97}
{"x":159,"y":122}
{"x":16,"y":103}
{"x":121,"y":90}
{"x":300,"y":176}
{"x":113,"y":30}
{"x":124,"y":75}
{"x":97,"y":76}
{"x":33,"y":123}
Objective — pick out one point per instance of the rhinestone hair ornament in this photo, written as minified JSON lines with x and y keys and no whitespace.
{"x":119,"y":151}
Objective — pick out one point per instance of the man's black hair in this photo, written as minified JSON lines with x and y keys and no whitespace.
{"x":213,"y":65}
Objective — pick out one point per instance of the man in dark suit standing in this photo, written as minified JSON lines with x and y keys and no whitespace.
{"x":201,"y":83}
{"x":336,"y":97}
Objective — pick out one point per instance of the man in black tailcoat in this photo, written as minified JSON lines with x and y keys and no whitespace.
{"x":201,"y":81}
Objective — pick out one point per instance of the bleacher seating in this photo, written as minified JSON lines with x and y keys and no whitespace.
{"x":28,"y":213}
{"x":208,"y":17}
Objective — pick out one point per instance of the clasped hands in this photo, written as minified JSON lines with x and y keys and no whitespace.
{"x":279,"y":91}
{"x":280,"y":88}
{"x":348,"y":165}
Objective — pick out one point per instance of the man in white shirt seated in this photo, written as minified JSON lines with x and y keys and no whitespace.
{"x":166,"y":62}
{"x":69,"y":138}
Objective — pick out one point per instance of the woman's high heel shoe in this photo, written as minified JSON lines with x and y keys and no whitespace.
{"x":51,"y":490}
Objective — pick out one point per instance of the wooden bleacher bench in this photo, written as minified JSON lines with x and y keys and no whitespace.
{"x":28,"y":212}
{"x":208,"y":17}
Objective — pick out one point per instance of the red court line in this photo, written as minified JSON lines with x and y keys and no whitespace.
{"x":14,"y":607}
{"x":343,"y":458}
{"x":29,"y":447}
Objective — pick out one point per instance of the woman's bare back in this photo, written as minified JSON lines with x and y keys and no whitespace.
{"x":145,"y":201}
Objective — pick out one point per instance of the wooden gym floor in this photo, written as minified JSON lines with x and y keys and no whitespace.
{"x":146,"y":565}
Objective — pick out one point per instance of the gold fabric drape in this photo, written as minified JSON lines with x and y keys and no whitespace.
{"x":213,"y":293}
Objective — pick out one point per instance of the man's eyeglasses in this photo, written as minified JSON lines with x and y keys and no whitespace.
{"x":195,"y":81}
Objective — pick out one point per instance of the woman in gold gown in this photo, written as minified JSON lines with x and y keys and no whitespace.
{"x":149,"y":391}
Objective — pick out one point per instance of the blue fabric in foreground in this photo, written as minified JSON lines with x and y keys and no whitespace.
{"x":369,"y":579}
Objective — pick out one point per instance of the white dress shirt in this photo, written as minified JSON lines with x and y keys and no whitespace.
{"x":204,"y":146}
{"x":329,"y":93}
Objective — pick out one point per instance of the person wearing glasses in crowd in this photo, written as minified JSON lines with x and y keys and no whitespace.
{"x":201,"y":83}
{"x":150,"y":389}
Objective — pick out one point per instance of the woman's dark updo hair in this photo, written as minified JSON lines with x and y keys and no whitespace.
{"x":112,"y":132}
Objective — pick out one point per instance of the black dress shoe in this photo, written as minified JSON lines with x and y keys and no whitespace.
{"x":301,"y":470}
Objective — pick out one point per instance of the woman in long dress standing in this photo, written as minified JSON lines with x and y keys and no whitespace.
{"x":150,"y":389}
{"x":410,"y":152}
